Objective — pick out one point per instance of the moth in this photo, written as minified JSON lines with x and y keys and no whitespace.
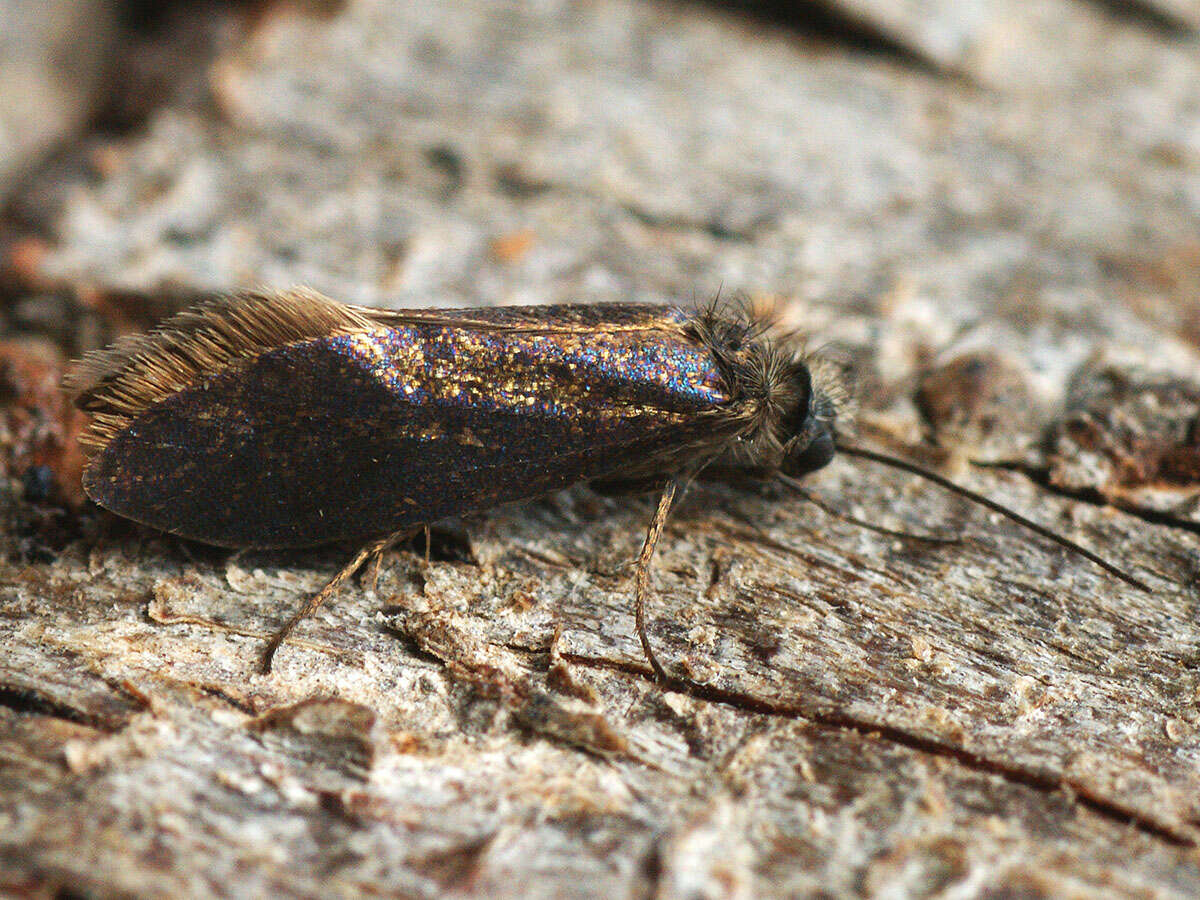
{"x":286,"y":419}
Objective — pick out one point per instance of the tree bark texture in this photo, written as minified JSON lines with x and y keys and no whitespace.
{"x":984,"y":213}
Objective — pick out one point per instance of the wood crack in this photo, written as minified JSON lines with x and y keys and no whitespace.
{"x":1046,"y":782}
{"x":25,"y":702}
{"x":1040,"y":475}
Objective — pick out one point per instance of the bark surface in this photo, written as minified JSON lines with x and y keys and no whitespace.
{"x":985,"y":212}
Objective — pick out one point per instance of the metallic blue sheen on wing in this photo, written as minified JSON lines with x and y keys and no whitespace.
{"x":365,"y":433}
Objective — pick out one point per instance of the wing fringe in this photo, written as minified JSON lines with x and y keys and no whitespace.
{"x":118,"y":384}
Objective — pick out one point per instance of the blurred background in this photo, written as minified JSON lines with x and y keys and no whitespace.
{"x":987,"y":208}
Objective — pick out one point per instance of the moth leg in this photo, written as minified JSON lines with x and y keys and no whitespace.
{"x":376,"y":564}
{"x":316,"y":601}
{"x":376,"y":551}
{"x":642,"y":575}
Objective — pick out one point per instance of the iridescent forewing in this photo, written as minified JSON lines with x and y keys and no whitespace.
{"x":420,"y":416}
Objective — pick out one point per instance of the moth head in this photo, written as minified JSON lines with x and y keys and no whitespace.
{"x":812,"y":438}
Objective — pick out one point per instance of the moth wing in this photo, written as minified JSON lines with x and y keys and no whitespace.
{"x":409,"y":420}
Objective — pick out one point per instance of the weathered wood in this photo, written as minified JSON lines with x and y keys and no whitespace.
{"x":1009,"y":271}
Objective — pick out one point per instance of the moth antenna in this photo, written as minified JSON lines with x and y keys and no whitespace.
{"x":793,"y":485}
{"x":904,"y":465}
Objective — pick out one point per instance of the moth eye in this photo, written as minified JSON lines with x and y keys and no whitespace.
{"x":817,"y":454}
